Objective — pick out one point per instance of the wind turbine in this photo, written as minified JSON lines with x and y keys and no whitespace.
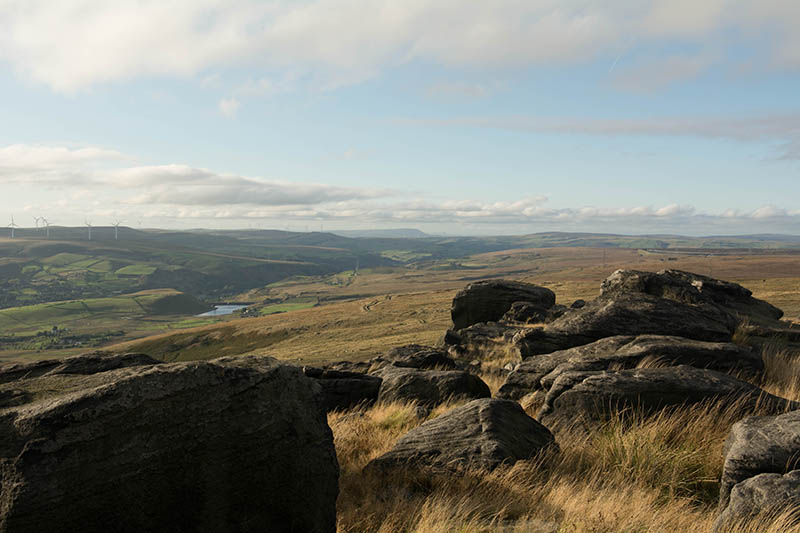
{"x":116,"y":227}
{"x":37,"y":219}
{"x":88,"y":225}
{"x":12,"y":226}
{"x":46,"y":227}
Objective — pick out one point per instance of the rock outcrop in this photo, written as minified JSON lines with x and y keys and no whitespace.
{"x":484,"y":433}
{"x":632,"y":314}
{"x":624,"y":352}
{"x":488,"y":301}
{"x":692,"y":289}
{"x":117,"y":444}
{"x":430,"y":387}
{"x":758,"y":445}
{"x":342,"y":389}
{"x":764,"y":493}
{"x":590,"y":394}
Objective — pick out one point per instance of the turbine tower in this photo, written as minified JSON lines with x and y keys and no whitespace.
{"x":116,"y":228}
{"x":88,"y":225}
{"x":46,"y":227}
{"x":12,"y":226}
{"x":36,"y":220}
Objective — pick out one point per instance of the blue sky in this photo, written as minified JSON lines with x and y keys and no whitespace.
{"x":495,"y":117}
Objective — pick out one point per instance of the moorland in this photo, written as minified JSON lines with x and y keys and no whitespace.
{"x":314,"y":296}
{"x":315,"y":299}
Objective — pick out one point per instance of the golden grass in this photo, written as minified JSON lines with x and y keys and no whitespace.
{"x":635,"y":472}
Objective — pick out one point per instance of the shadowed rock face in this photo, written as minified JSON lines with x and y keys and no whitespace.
{"x":430,"y":387}
{"x":418,"y":356}
{"x":484,"y":433}
{"x":757,"y":445}
{"x":636,"y":314}
{"x":232,"y":444}
{"x":761,"y":493}
{"x":623,"y":352}
{"x":342,"y":389}
{"x":693,"y":289}
{"x":488,"y":301}
{"x":590,"y":395}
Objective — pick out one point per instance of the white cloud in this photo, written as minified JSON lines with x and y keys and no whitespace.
{"x":96,"y":182}
{"x":229,"y":106}
{"x":73,"y":44}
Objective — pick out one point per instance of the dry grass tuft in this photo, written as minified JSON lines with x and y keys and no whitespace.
{"x":781,"y":370}
{"x":633,"y":473}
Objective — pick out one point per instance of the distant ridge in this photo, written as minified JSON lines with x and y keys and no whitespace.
{"x":401,"y":233}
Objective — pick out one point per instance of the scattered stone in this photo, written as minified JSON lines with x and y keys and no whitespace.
{"x":626,"y":351}
{"x":578,"y":304}
{"x":636,"y":314}
{"x":343,"y":389}
{"x":232,"y":444}
{"x":758,"y":445}
{"x":763,"y":493}
{"x":488,"y":301}
{"x":484,"y":433}
{"x":592,"y":394}
{"x":429,"y":387}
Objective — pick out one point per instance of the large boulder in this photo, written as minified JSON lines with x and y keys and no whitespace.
{"x":764,"y":493}
{"x":626,"y":351}
{"x":592,"y":394}
{"x":484,"y":433}
{"x":429,"y":387}
{"x":634,"y":314}
{"x":758,"y":445}
{"x":488,"y":301}
{"x":342,"y":389}
{"x":232,"y":444}
{"x":693,"y":289}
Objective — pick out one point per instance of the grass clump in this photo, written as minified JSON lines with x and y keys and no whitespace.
{"x":635,"y":472}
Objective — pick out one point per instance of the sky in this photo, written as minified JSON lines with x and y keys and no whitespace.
{"x":451,"y":116}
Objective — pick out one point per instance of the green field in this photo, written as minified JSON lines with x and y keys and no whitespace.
{"x":89,"y":322}
{"x":289,"y":305}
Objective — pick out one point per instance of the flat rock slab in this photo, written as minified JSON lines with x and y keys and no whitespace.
{"x":757,"y":445}
{"x":488,"y":301}
{"x":634,"y":314}
{"x":430,"y":387}
{"x":343,"y":389}
{"x":591,"y":395}
{"x":626,"y":351}
{"x":232,"y":444}
{"x":763,"y":493}
{"x":484,"y":433}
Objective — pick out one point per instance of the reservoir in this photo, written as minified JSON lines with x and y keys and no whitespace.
{"x":220,"y":310}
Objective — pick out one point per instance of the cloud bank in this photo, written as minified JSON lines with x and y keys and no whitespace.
{"x":71,"y":45}
{"x":97,"y":182}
